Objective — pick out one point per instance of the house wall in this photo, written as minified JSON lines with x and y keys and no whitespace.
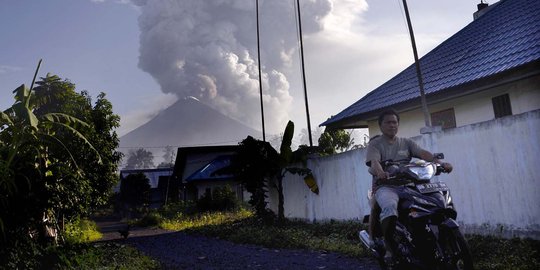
{"x":495,"y":183}
{"x":475,"y":108}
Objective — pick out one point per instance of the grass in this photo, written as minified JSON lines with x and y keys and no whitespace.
{"x":98,"y":256}
{"x":489,"y":253}
{"x":82,"y":231}
{"x":242,"y":227}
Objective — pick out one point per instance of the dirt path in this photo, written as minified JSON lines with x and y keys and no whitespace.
{"x":178,"y":250}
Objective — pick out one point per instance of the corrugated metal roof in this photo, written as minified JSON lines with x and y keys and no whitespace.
{"x":207,"y":172}
{"x":505,"y":37}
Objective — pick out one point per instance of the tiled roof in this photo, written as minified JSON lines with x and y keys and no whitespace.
{"x":505,"y":37}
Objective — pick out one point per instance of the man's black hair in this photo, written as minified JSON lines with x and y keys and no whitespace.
{"x":387,"y":112}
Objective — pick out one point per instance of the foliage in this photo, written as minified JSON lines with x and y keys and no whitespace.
{"x":217,"y":219}
{"x":258,"y":161}
{"x":168,"y":157}
{"x":316,"y":134}
{"x":20,"y":251}
{"x":57,"y":160}
{"x":496,"y":253}
{"x":334,"y":141}
{"x":58,"y":154}
{"x":255,"y":163}
{"x":81,"y":231}
{"x":140,"y":159}
{"x":99,"y":175}
{"x":286,"y":159}
{"x":108,"y":255}
{"x":135,"y":189}
{"x":221,"y":199}
{"x":150,"y":219}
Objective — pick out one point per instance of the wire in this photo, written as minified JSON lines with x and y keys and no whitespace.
{"x":185,"y":145}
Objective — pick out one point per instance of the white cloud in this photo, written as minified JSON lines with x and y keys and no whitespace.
{"x":7,"y":69}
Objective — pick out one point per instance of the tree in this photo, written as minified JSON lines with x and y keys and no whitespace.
{"x":135,"y":189}
{"x":30,"y":144}
{"x":168,"y":157}
{"x":334,"y":141}
{"x":99,"y":176}
{"x":254,"y":164}
{"x":304,"y":136}
{"x":286,"y":159}
{"x":57,"y":154}
{"x":257,"y":162}
{"x":140,"y":159}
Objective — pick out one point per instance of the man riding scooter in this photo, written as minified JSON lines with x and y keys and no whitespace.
{"x":385,"y":190}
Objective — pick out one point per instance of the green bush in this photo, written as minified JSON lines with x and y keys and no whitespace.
{"x":150,"y":219}
{"x":81,"y":231}
{"x":20,"y":252}
{"x":107,"y":255}
{"x":135,"y":189}
{"x":221,"y":199}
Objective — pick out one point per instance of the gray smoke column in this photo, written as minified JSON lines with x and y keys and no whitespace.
{"x":207,"y":49}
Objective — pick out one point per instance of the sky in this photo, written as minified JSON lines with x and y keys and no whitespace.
{"x":146,"y":54}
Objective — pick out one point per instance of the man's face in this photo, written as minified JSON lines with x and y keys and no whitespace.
{"x":389,"y":126}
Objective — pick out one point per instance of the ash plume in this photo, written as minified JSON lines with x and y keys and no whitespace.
{"x":207,"y":49}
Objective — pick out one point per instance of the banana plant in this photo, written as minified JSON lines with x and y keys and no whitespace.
{"x":25,"y":140}
{"x":286,"y":161}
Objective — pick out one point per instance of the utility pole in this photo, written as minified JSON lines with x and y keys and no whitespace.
{"x":259,"y":62}
{"x":304,"y":72}
{"x":418,"y":70}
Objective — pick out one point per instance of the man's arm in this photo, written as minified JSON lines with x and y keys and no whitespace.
{"x":428,"y":156}
{"x":373,"y":157}
{"x":377,"y":170}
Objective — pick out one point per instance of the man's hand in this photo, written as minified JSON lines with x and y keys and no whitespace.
{"x":382,"y":175}
{"x":377,"y":170}
{"x":447,"y":167}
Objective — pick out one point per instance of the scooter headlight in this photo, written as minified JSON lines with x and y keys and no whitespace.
{"x":423,"y":172}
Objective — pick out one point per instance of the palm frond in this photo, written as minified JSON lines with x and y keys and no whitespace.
{"x":25,"y":113}
{"x":5,"y":119}
{"x":65,"y":119}
{"x":62,"y":145}
{"x":80,"y":136}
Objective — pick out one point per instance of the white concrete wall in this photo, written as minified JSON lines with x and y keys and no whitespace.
{"x":495,"y":183}
{"x":342,"y":189}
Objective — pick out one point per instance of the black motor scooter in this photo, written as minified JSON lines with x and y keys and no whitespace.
{"x":427,"y":234}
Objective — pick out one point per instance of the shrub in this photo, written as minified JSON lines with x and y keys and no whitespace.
{"x":81,"y":231}
{"x":221,"y":199}
{"x":135,"y":189}
{"x":150,"y":219}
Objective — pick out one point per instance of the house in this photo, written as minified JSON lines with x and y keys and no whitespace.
{"x":161,"y":188}
{"x":483,"y":88}
{"x":195,"y":169}
{"x":489,"y":69}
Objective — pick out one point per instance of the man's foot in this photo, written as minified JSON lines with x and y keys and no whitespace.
{"x":389,"y":260}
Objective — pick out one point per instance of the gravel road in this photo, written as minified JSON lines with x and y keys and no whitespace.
{"x":177,"y":250}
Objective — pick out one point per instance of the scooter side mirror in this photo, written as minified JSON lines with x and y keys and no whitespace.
{"x":438,"y":155}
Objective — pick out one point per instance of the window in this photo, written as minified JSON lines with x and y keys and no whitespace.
{"x":501,"y":106}
{"x":445,"y":118}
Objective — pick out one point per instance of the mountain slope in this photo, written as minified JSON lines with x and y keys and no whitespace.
{"x":188,"y":122}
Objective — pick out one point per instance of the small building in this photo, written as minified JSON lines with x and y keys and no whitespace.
{"x":487,"y":70}
{"x":195,"y":171}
